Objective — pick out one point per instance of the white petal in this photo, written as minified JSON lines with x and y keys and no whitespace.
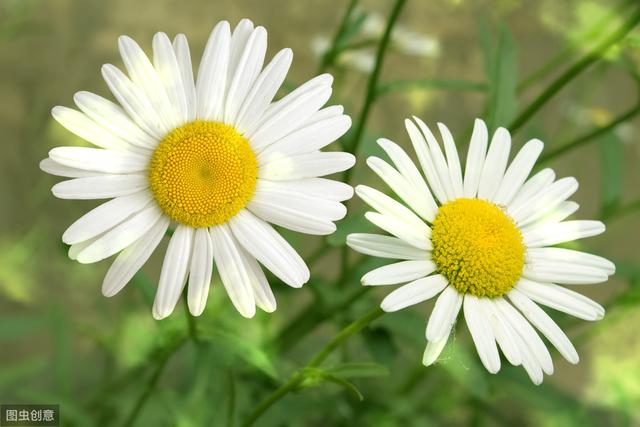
{"x":518,"y":172}
{"x":413,"y":293}
{"x":475,"y":158}
{"x":183,"y":56}
{"x":263,"y":91}
{"x":571,"y":257}
{"x":532,"y":187}
{"x":399,"y":272}
{"x":389,"y":207}
{"x":287,"y":114}
{"x":482,"y":333}
{"x":561,"y":299}
{"x":81,"y":125}
{"x":529,"y":361}
{"x":212,"y":74}
{"x":105,"y":216}
{"x":168,"y":70}
{"x":420,"y":201}
{"x":453,"y":161}
{"x":296,"y":211}
{"x":444,"y":314}
{"x":544,"y":202}
{"x":545,"y":324}
{"x":439,"y":162}
{"x":426,"y":162}
{"x":112,"y":117}
{"x":175,"y":268}
{"x":558,"y":214}
{"x":385,"y":247}
{"x":560,"y":272}
{"x":307,"y":139}
{"x":528,"y":334}
{"x":393,"y":225}
{"x":320,"y":188}
{"x":268,"y":247}
{"x":100,"y":187}
{"x":54,"y":168}
{"x":132,"y":258}
{"x":144,"y":75}
{"x":309,"y":165}
{"x":495,"y":164}
{"x":74,"y":250}
{"x":121,"y":236}
{"x":233,"y":273}
{"x":502,"y":330}
{"x":237,"y":47}
{"x":404,"y":164}
{"x":99,"y":160}
{"x":134,"y":102}
{"x":261,"y":290}
{"x":433,"y":350}
{"x":552,"y":234}
{"x":243,"y":74}
{"x":200,"y":271}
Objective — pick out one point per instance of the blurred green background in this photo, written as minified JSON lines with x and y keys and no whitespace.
{"x":107,"y":362}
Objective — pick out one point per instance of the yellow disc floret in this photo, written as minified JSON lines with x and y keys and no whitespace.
{"x":203,"y":173}
{"x":477,"y":247}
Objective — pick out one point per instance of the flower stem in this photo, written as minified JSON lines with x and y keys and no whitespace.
{"x":591,"y":136}
{"x":153,"y":380}
{"x":297,"y":377}
{"x":372,"y":84}
{"x":579,"y":66}
{"x":331,"y":54}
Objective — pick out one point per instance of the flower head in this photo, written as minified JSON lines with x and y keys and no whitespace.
{"x":215,"y":155}
{"x":484,"y":243}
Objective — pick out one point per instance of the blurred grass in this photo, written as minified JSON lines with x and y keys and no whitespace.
{"x":62,"y":342}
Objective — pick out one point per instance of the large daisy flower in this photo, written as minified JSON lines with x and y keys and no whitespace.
{"x":484,"y":243}
{"x":214,"y":155}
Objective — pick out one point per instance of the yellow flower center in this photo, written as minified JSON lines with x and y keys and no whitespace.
{"x":477,"y":247}
{"x":203,"y":173}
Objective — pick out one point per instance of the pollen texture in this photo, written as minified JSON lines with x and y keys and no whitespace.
{"x":477,"y":247}
{"x":203,"y":173}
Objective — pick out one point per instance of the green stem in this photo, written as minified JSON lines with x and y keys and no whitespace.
{"x":623,"y":210}
{"x":372,"y":83}
{"x":151,"y":383}
{"x":591,"y":136}
{"x":579,"y":66}
{"x":330,"y":55}
{"x":297,"y":377}
{"x":590,"y":34}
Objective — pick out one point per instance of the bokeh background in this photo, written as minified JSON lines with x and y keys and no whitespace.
{"x":451,"y":61}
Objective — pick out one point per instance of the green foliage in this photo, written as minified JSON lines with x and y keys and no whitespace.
{"x":109,"y":363}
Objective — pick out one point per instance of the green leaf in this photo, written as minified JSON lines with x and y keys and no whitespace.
{"x":346,"y":384}
{"x":358,"y":370}
{"x":500,"y":63}
{"x":244,"y":349}
{"x":315,"y":377}
{"x":612,"y":161}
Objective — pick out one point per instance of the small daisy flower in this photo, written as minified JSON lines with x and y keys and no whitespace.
{"x":214,"y":155}
{"x":484,"y":243}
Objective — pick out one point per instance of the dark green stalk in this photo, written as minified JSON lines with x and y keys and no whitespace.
{"x":566,"y":53}
{"x":330,"y":55}
{"x":578,"y":67}
{"x":297,"y":377}
{"x":590,"y":136}
{"x":151,"y":383}
{"x":372,"y":83}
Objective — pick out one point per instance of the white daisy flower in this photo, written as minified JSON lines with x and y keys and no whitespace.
{"x":215,"y":155}
{"x":483,"y":243}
